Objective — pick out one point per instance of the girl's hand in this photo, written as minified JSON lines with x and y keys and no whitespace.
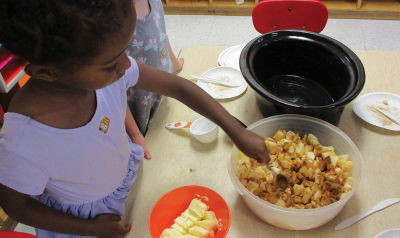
{"x":139,"y":140}
{"x":178,"y":65}
{"x":252,"y":145}
{"x":106,"y":225}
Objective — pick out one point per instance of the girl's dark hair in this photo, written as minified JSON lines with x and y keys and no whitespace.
{"x":57,"y":31}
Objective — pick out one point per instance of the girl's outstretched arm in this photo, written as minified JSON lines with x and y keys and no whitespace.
{"x":158,"y":81}
{"x":24,"y":209}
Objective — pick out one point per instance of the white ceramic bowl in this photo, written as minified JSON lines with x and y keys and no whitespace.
{"x":392,"y":233}
{"x":328,"y":135}
{"x":204,"y":130}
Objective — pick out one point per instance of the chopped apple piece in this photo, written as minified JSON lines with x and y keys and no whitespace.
{"x":298,"y":189}
{"x":272,"y":147}
{"x":280,"y":203}
{"x":279,"y":135}
{"x":307,"y":196}
{"x":347,"y":166}
{"x":251,"y":186}
{"x":243,"y":171}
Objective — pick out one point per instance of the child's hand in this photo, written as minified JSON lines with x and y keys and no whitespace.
{"x":139,"y":140}
{"x":252,"y":145}
{"x":178,"y":65}
{"x":106,"y":225}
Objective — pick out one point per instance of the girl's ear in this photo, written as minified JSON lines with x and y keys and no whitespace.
{"x":42,"y":72}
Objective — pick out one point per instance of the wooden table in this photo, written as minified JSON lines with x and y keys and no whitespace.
{"x":176,"y":152}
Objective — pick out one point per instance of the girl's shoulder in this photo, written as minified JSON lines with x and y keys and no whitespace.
{"x":54,"y":111}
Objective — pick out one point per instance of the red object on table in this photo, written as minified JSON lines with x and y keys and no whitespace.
{"x":274,"y":15}
{"x":175,"y":202}
{"x":13,"y":234}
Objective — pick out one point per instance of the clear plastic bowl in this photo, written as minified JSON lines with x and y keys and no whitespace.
{"x":328,"y":135}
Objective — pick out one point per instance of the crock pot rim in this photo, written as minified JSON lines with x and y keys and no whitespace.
{"x":276,"y":100}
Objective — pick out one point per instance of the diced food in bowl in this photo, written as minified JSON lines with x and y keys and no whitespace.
{"x":196,"y":221}
{"x":317,"y":175}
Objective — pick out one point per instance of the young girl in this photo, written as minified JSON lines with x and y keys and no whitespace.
{"x":150,"y":45}
{"x":66,"y":164}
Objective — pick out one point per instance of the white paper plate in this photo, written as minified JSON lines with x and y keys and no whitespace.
{"x":226,"y":74}
{"x":392,"y":233}
{"x":231,"y":58}
{"x":222,"y":56}
{"x":364,"y":107}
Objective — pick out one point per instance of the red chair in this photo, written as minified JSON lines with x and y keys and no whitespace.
{"x":14,"y":234}
{"x":274,"y":15}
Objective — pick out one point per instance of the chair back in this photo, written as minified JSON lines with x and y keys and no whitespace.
{"x":274,"y":15}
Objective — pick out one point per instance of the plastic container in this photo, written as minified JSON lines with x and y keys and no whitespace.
{"x":173,"y":203}
{"x":204,"y":130}
{"x":328,"y":135}
{"x":301,"y":72}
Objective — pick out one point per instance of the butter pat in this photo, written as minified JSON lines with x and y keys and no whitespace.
{"x":193,"y":218}
{"x":181,"y":221}
{"x":205,"y":224}
{"x":210,"y":216}
{"x":188,"y":224}
{"x":179,"y":228}
{"x":170,"y":233}
{"x":197,"y":208}
{"x":199,"y":232}
{"x":188,"y":236}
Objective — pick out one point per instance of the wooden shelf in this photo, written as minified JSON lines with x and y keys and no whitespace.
{"x":353,"y":9}
{"x":188,"y":3}
{"x":381,"y":6}
{"x":340,"y":5}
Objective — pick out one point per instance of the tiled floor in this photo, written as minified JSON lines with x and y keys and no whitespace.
{"x":185,"y":30}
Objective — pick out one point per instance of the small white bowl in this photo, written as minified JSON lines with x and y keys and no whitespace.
{"x":392,"y":233}
{"x":204,"y":130}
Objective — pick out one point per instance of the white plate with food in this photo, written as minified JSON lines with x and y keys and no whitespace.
{"x":365,"y":107}
{"x":231,"y":57}
{"x":227,"y":74}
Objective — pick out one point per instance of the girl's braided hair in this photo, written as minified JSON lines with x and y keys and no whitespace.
{"x":59,"y":31}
